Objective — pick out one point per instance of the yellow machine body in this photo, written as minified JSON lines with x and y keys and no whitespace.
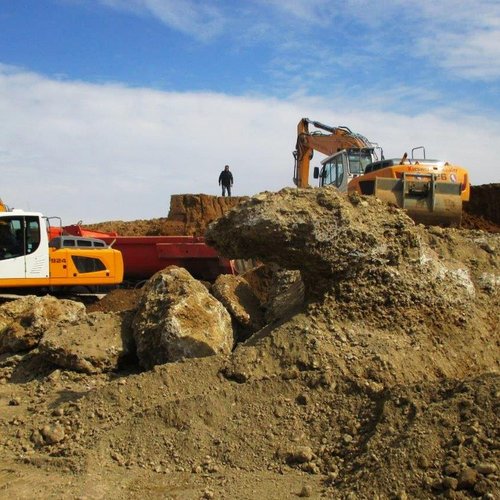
{"x":430,"y":191}
{"x":29,"y":260}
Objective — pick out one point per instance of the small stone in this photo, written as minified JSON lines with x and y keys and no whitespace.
{"x":52,"y":434}
{"x":467,"y":479}
{"x":347,"y":438}
{"x":16,"y":401}
{"x":450,"y":483}
{"x":306,"y":491}
{"x":481,"y":487}
{"x":310,"y":467}
{"x":486,"y":468}
{"x":118,"y":458}
{"x":300,"y":455}
{"x":452,"y":470}
{"x":37,"y":439}
{"x":332,"y":476}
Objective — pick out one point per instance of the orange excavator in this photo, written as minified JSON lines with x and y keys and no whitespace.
{"x":430,"y":191}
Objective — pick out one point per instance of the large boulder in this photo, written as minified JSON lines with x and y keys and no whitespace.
{"x":237,"y":296}
{"x":368,"y":259}
{"x":24,"y":321}
{"x":98,"y":343}
{"x":320,"y":232}
{"x":280,"y":292}
{"x":178,"y":318}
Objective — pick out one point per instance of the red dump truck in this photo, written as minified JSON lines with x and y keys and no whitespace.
{"x":145,"y":255}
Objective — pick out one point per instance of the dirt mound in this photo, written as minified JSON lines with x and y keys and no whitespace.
{"x":116,"y":301}
{"x":189,"y":215}
{"x":483,"y":210}
{"x":381,"y":381}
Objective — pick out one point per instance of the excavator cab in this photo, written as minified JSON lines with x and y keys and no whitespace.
{"x":339,"y":169}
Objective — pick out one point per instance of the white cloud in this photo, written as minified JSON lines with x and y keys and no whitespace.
{"x":103,"y":152}
{"x":460,"y":36}
{"x":201,"y":20}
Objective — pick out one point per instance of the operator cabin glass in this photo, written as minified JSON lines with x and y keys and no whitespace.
{"x":18,"y":236}
{"x":333,"y":172}
{"x":358,"y":160}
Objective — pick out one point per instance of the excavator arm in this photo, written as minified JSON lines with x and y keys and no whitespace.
{"x":336,"y":139}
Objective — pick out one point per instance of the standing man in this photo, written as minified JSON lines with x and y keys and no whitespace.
{"x":226,"y":181}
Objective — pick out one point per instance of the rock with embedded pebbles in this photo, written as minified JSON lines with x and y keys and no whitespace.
{"x":178,"y":318}
{"x":97,"y":344}
{"x":366,"y":256}
{"x":24,"y":321}
{"x":317,"y":231}
{"x":237,"y":296}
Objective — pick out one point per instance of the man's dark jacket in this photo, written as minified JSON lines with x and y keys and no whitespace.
{"x":226,"y":178}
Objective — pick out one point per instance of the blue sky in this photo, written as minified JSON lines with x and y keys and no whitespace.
{"x":125,"y":102}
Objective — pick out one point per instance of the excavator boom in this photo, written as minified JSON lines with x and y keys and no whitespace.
{"x":337,"y":139}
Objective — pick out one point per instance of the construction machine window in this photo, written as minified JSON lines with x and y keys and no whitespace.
{"x":358,"y":160}
{"x":87,"y":264}
{"x":18,"y":236}
{"x":333,"y":172}
{"x":32,"y":234}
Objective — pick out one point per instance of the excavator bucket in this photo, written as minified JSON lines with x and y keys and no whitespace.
{"x":425,"y":199}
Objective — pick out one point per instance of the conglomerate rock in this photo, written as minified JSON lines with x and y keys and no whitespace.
{"x":237,"y":296}
{"x":96,"y":344}
{"x":178,"y":318}
{"x":279,"y":291}
{"x":24,"y":321}
{"x":363,"y":256}
{"x":322,"y":233}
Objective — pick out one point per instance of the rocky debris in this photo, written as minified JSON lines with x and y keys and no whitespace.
{"x":363,"y":257}
{"x":189,"y":215}
{"x":24,"y":321}
{"x":366,"y":389}
{"x":482,"y":211}
{"x":280,"y":292}
{"x":237,"y":296}
{"x":98,"y":343}
{"x":117,"y":300}
{"x":178,"y":318}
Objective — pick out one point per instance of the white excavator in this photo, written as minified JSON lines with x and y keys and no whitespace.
{"x":34,"y":255}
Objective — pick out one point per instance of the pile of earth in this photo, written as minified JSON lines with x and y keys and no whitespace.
{"x":364,"y":365}
{"x":483,"y":209}
{"x":189,"y":215}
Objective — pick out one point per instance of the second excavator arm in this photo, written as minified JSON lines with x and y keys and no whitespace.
{"x":336,"y":139}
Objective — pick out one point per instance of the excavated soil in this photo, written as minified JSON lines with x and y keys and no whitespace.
{"x":382,"y":384}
